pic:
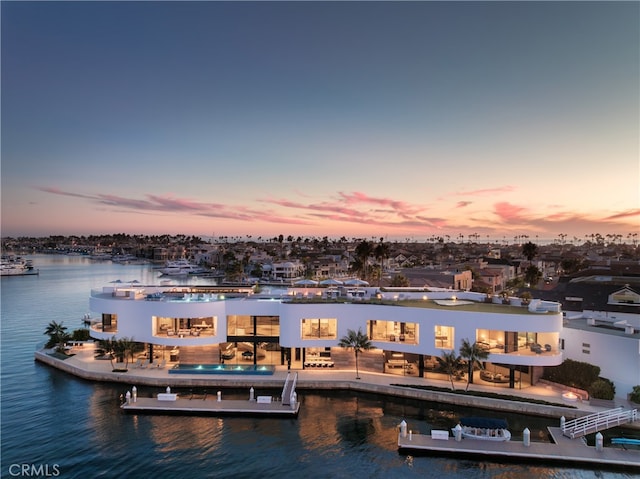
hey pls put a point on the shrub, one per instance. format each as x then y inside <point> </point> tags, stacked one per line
<point>635,395</point>
<point>602,388</point>
<point>573,373</point>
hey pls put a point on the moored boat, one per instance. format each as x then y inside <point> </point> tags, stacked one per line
<point>483,428</point>
<point>16,266</point>
<point>181,267</point>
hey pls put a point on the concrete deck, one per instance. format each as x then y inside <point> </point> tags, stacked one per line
<point>83,364</point>
<point>562,450</point>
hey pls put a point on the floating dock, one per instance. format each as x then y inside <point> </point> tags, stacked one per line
<point>563,450</point>
<point>172,403</point>
<point>213,407</point>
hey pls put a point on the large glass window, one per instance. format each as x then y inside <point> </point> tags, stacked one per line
<point>267,325</point>
<point>392,331</point>
<point>167,326</point>
<point>403,364</point>
<point>245,325</point>
<point>491,340</point>
<point>444,337</point>
<point>109,323</point>
<point>497,341</point>
<point>319,328</point>
<point>239,325</point>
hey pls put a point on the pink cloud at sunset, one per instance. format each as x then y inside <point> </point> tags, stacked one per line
<point>350,212</point>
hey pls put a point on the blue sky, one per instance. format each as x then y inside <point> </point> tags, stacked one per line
<point>402,119</point>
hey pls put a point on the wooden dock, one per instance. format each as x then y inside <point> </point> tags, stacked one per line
<point>212,407</point>
<point>562,450</point>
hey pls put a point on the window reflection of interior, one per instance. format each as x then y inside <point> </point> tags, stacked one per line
<point>110,322</point>
<point>444,337</point>
<point>167,326</point>
<point>490,339</point>
<point>239,325</point>
<point>319,328</point>
<point>243,325</point>
<point>497,341</point>
<point>392,331</point>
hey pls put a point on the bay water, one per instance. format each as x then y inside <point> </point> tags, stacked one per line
<point>57,425</point>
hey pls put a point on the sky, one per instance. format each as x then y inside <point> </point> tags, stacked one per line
<point>354,119</point>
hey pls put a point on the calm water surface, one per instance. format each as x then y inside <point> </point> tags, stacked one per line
<point>70,428</point>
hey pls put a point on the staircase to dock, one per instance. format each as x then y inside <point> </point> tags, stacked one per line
<point>598,422</point>
<point>289,389</point>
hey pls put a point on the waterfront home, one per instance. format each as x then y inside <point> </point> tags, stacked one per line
<point>301,327</point>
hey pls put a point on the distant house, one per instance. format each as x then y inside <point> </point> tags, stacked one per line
<point>450,279</point>
<point>288,270</point>
<point>493,277</point>
<point>330,266</point>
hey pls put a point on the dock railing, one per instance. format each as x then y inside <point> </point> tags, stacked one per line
<point>598,421</point>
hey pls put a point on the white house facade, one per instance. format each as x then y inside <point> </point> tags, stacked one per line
<point>301,327</point>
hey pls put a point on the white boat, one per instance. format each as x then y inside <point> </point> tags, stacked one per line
<point>16,266</point>
<point>483,428</point>
<point>181,267</point>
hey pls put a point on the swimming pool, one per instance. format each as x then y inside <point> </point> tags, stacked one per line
<point>222,369</point>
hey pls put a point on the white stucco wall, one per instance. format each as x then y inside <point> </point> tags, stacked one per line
<point>617,356</point>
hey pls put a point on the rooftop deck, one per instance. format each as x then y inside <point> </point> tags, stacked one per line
<point>460,301</point>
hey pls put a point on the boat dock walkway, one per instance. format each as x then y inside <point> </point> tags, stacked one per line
<point>562,449</point>
<point>598,421</point>
<point>261,406</point>
<point>171,403</point>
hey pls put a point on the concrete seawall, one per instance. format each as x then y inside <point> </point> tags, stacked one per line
<point>325,383</point>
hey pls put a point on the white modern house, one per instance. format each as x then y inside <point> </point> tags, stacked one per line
<point>301,328</point>
<point>602,327</point>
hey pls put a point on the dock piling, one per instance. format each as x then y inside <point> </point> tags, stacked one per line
<point>457,433</point>
<point>403,429</point>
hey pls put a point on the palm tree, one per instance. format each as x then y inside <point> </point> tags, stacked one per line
<point>529,250</point>
<point>109,348</point>
<point>532,275</point>
<point>381,251</point>
<point>120,349</point>
<point>57,335</point>
<point>358,342</point>
<point>474,355</point>
<point>363,251</point>
<point>127,347</point>
<point>450,364</point>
